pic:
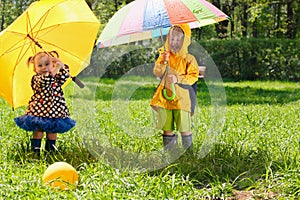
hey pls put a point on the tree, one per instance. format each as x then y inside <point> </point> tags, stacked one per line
<point>10,10</point>
<point>249,18</point>
<point>221,27</point>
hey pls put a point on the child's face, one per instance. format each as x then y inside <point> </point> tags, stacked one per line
<point>43,64</point>
<point>176,39</point>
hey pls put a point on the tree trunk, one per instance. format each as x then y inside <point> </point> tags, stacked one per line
<point>221,27</point>
<point>2,15</point>
<point>290,33</point>
<point>277,23</point>
<point>245,20</point>
<point>254,29</point>
<point>232,24</point>
<point>116,5</point>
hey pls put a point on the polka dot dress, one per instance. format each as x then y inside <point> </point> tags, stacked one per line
<point>48,98</point>
<point>47,109</point>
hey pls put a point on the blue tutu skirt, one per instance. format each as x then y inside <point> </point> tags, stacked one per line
<point>51,125</point>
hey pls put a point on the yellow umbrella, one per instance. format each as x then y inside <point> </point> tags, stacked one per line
<point>67,26</point>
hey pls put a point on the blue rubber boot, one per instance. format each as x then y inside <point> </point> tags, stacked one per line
<point>36,146</point>
<point>50,145</point>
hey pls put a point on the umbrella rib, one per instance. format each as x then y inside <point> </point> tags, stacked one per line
<point>41,21</point>
<point>64,50</point>
<point>39,40</point>
<point>13,45</point>
<point>50,28</point>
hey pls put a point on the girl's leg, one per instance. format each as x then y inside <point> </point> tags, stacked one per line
<point>50,141</point>
<point>36,141</point>
<point>38,135</point>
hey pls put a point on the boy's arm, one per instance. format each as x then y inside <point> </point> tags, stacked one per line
<point>159,68</point>
<point>192,72</point>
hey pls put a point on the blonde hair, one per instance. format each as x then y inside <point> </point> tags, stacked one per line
<point>176,29</point>
<point>50,54</point>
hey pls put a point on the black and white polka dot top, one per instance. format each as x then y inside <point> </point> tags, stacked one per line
<point>48,98</point>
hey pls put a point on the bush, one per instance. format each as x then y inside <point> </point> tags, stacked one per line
<point>245,59</point>
<point>251,59</point>
<point>113,62</point>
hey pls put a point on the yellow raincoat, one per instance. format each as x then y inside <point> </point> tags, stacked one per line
<point>185,67</point>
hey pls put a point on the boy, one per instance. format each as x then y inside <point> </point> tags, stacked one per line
<point>176,66</point>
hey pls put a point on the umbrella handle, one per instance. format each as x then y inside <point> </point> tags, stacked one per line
<point>172,97</point>
<point>75,79</point>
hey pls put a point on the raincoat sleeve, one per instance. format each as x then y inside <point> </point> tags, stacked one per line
<point>192,71</point>
<point>159,68</point>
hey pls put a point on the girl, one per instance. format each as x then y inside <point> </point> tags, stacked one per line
<point>47,110</point>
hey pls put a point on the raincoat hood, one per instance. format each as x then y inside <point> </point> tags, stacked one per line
<point>186,42</point>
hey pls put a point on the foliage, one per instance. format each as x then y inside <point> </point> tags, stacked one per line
<point>118,60</point>
<point>249,18</point>
<point>259,19</point>
<point>10,10</point>
<point>246,59</point>
<point>105,9</point>
<point>249,59</point>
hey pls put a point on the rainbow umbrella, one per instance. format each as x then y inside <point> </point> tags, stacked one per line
<point>145,19</point>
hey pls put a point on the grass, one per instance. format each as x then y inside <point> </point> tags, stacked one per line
<point>246,145</point>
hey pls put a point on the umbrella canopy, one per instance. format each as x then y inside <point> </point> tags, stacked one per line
<point>145,19</point>
<point>67,26</point>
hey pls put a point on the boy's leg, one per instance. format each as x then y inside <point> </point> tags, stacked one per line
<point>183,122</point>
<point>50,141</point>
<point>187,143</point>
<point>170,140</point>
<point>166,123</point>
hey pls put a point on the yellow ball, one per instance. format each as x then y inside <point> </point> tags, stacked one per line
<point>61,175</point>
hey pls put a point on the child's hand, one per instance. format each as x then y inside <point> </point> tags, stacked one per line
<point>172,78</point>
<point>57,65</point>
<point>165,57</point>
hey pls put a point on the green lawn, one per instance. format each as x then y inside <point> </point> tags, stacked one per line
<point>246,137</point>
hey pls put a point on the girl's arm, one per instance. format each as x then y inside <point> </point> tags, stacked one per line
<point>63,75</point>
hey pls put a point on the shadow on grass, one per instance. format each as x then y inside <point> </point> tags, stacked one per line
<point>72,153</point>
<point>248,95</point>
<point>225,168</point>
<point>234,94</point>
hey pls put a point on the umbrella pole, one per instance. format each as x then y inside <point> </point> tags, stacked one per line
<point>162,40</point>
<point>74,78</point>
<point>172,97</point>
